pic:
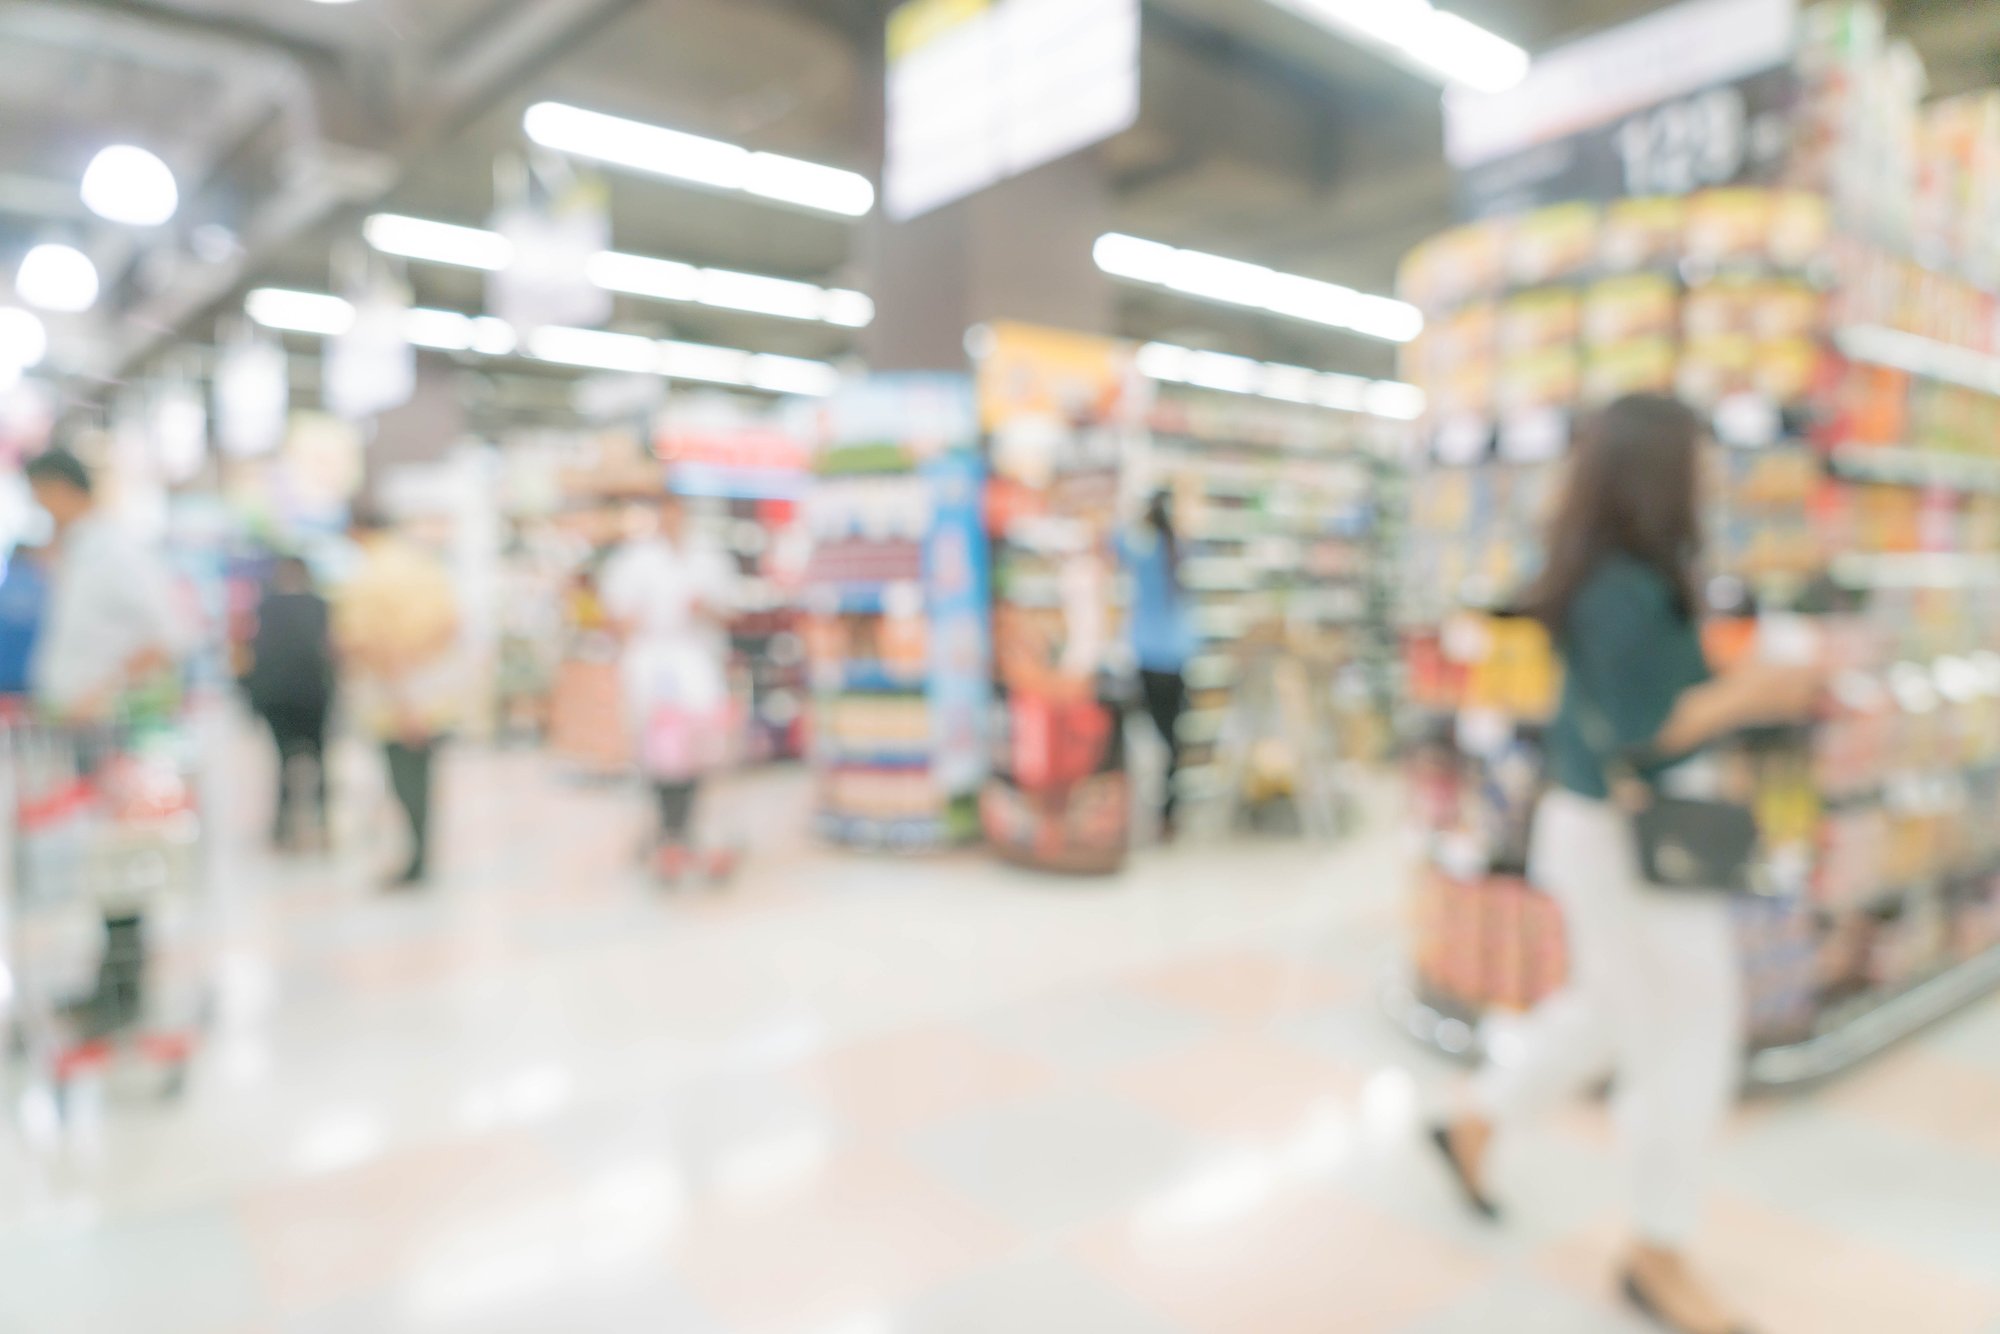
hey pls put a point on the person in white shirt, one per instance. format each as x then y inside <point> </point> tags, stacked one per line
<point>668,596</point>
<point>114,623</point>
<point>113,631</point>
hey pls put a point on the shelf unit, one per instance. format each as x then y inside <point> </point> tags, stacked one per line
<point>897,604</point>
<point>1282,519</point>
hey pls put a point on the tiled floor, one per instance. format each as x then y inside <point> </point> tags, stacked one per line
<point>857,1096</point>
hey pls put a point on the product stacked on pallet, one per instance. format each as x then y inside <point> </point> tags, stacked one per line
<point>1845,346</point>
<point>1281,517</point>
<point>896,631</point>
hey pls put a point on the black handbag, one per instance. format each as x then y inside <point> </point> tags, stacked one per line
<point>1684,843</point>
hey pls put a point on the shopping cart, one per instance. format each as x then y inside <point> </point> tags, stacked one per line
<point>106,970</point>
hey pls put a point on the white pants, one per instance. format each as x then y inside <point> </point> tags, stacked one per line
<point>1654,1001</point>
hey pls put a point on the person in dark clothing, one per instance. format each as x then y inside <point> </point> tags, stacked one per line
<point>291,688</point>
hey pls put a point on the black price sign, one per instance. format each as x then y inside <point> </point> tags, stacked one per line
<point>1737,133</point>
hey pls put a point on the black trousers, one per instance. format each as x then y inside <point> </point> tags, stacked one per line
<point>300,733</point>
<point>676,802</point>
<point>410,776</point>
<point>1166,699</point>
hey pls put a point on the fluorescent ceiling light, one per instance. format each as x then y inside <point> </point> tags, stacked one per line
<point>438,242</point>
<point>765,296</point>
<point>636,275</point>
<point>300,312</point>
<point>449,331</point>
<point>1291,384</point>
<point>690,157</point>
<point>590,349</point>
<point>632,275</point>
<point>850,310</point>
<point>793,375</point>
<point>129,185</point>
<point>1437,43</point>
<point>24,341</point>
<point>1234,282</point>
<point>595,349</point>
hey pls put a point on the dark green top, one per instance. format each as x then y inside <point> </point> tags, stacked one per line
<point>1627,649</point>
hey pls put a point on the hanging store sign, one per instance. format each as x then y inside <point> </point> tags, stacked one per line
<point>1696,96</point>
<point>983,90</point>
<point>555,222</point>
<point>371,368</point>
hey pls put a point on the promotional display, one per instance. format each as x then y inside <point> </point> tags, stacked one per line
<point>1854,390</point>
<point>1061,411</point>
<point>897,614</point>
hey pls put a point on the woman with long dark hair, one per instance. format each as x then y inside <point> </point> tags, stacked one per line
<point>1162,634</point>
<point>1654,999</point>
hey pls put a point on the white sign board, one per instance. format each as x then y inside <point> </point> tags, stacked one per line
<point>1693,45</point>
<point>982,90</point>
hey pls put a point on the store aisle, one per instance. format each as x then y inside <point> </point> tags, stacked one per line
<point>857,1096</point>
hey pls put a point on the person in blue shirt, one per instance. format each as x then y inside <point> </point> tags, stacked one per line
<point>1162,633</point>
<point>23,595</point>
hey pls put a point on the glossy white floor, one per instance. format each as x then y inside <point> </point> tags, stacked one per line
<point>862,1096</point>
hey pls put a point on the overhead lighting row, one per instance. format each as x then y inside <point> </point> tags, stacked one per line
<point>1390,399</point>
<point>633,275</point>
<point>658,151</point>
<point>1234,282</point>
<point>1436,42</point>
<point>330,316</point>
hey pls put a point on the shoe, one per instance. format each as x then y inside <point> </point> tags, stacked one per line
<point>410,879</point>
<point>722,865</point>
<point>1642,1302</point>
<point>1475,1199</point>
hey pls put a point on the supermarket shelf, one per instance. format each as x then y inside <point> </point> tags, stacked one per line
<point>1902,466</point>
<point>927,834</point>
<point>1878,1027</point>
<point>1916,570</point>
<point>1448,1028</point>
<point>849,598</point>
<point>1920,356</point>
<point>868,677</point>
<point>879,757</point>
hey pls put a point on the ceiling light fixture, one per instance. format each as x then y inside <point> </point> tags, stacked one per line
<point>56,277</point>
<point>23,341</point>
<point>300,312</point>
<point>631,275</point>
<point>130,185</point>
<point>589,349</point>
<point>1435,42</point>
<point>658,151</point>
<point>438,242</point>
<point>1390,399</point>
<point>1237,283</point>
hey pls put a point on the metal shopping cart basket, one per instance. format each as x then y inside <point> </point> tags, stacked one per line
<point>106,961</point>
